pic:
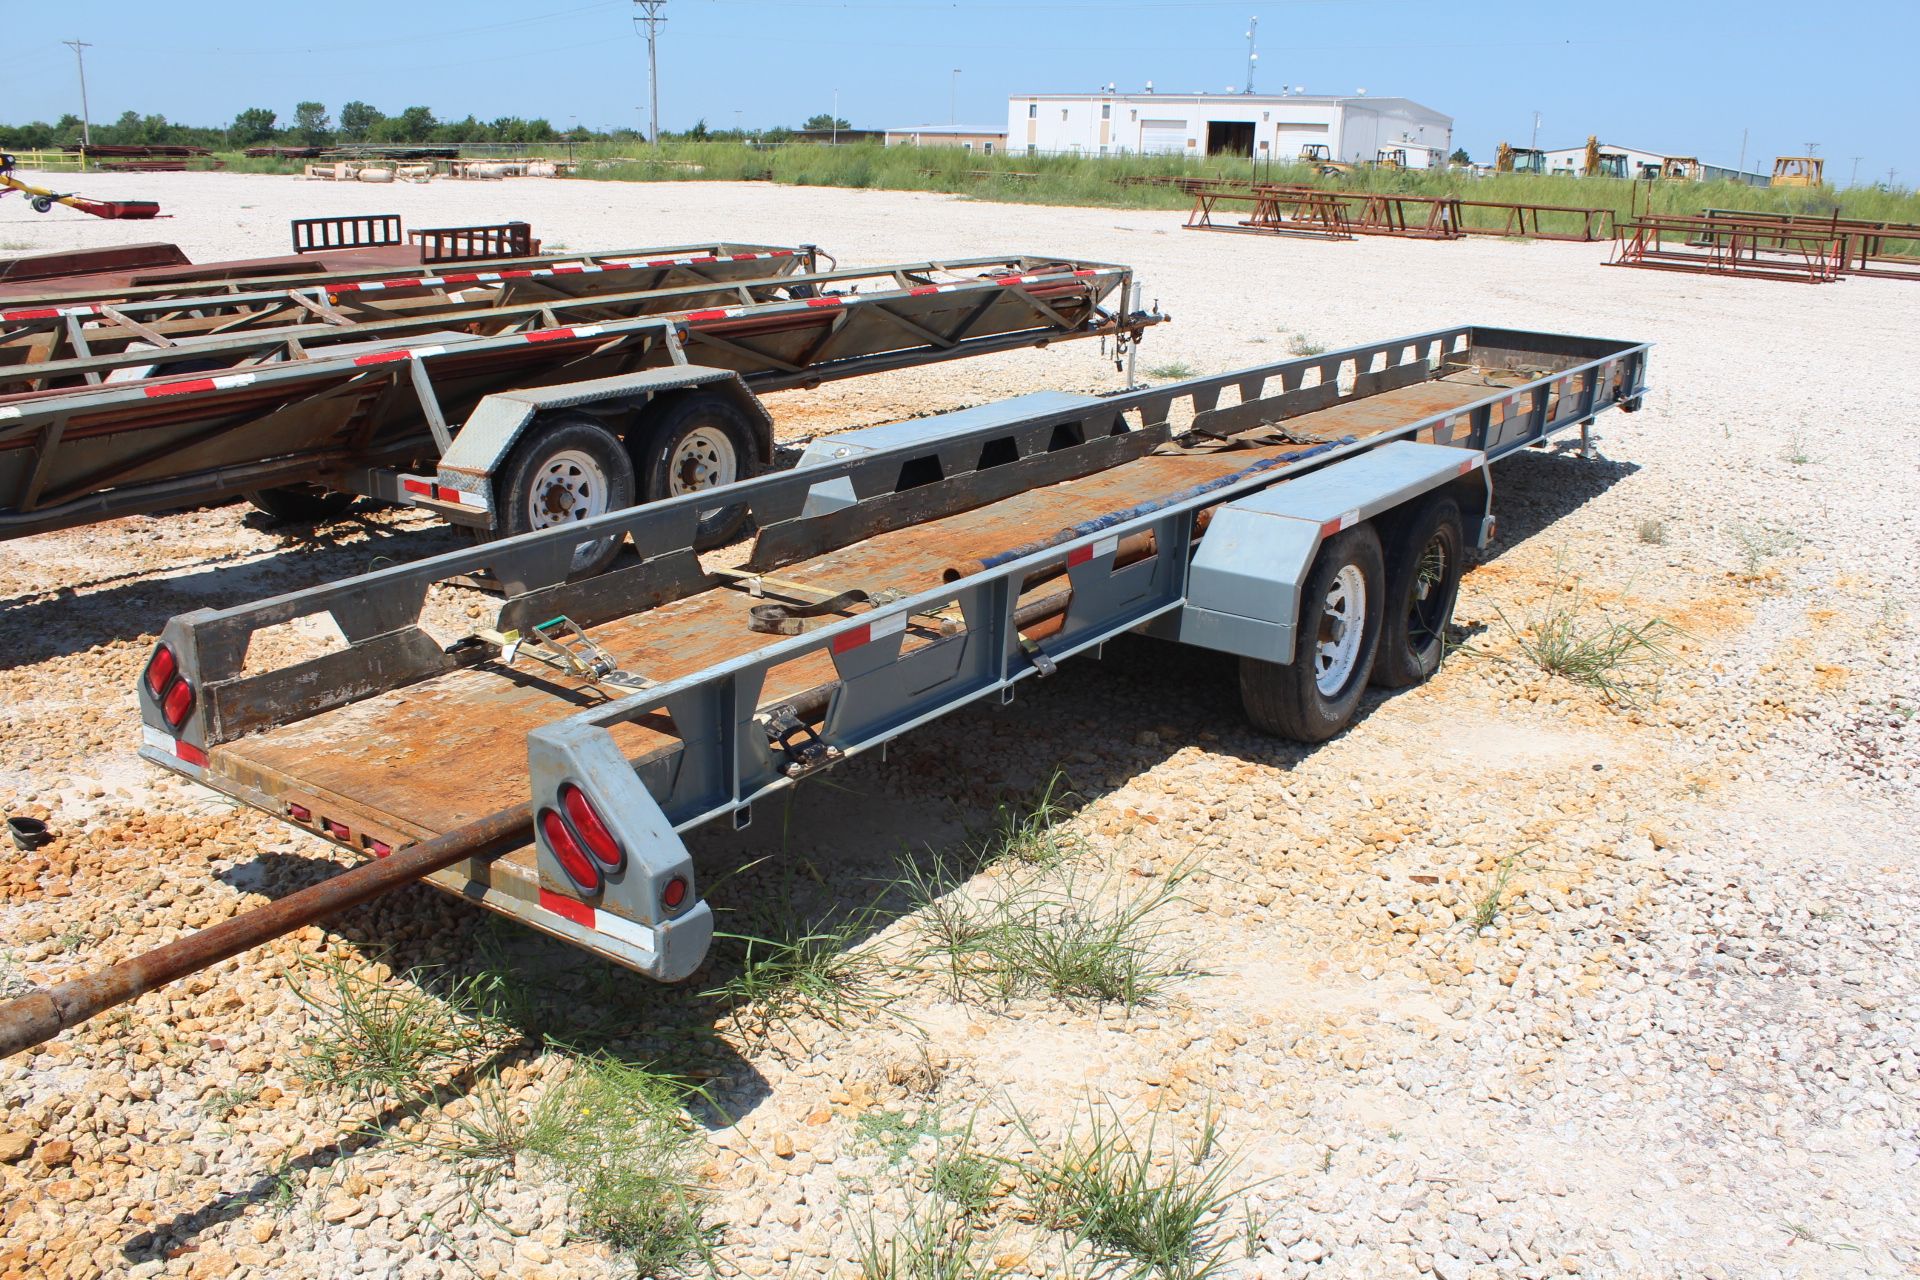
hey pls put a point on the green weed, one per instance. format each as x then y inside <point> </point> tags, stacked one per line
<point>1621,659</point>
<point>1759,543</point>
<point>1301,345</point>
<point>1653,532</point>
<point>1156,1204</point>
<point>379,1036</point>
<point>1171,371</point>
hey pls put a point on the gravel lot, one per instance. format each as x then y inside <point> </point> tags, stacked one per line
<point>1684,1046</point>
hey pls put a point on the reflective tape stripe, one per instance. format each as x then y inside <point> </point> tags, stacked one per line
<point>422,487</point>
<point>1098,547</point>
<point>1346,520</point>
<point>878,628</point>
<point>185,752</point>
<point>618,927</point>
<point>9,412</point>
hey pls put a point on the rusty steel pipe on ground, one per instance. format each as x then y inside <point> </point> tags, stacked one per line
<point>39,1016</point>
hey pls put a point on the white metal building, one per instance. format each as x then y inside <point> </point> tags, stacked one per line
<point>1258,126</point>
<point>1618,161</point>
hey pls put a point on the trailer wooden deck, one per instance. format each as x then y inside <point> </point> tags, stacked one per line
<point>424,760</point>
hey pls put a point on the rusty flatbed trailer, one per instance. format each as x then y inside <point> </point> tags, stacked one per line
<point>1312,521</point>
<point>39,331</point>
<point>529,411</point>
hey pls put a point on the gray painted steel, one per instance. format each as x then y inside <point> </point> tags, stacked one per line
<point>726,762</point>
<point>1243,595</point>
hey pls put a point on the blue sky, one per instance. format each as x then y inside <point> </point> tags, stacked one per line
<point>1670,75</point>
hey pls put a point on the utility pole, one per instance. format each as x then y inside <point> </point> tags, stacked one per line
<point>1741,167</point>
<point>953,97</point>
<point>651,15</point>
<point>1853,179</point>
<point>1253,56</point>
<point>835,121</point>
<point>1535,144</point>
<point>86,128</point>
<point>1813,148</point>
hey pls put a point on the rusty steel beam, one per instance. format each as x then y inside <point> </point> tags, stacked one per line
<point>1728,247</point>
<point>40,1015</point>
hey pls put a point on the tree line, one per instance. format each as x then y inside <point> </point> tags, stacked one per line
<point>313,126</point>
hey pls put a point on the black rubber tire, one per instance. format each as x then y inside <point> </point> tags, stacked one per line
<point>1420,594</point>
<point>1285,698</point>
<point>300,503</point>
<point>554,434</point>
<point>659,438</point>
<point>42,204</point>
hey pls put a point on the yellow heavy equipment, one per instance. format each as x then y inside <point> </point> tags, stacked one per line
<point>1320,157</point>
<point>1799,171</point>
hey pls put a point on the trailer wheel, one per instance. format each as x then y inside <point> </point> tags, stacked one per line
<point>299,503</point>
<point>41,204</point>
<point>570,468</point>
<point>1423,581</point>
<point>1314,696</point>
<point>700,441</point>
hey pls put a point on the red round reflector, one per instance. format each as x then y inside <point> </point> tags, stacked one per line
<point>573,860</point>
<point>160,670</point>
<point>178,704</point>
<point>674,894</point>
<point>593,832</point>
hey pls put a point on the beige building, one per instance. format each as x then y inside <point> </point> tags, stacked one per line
<point>982,139</point>
<point>1353,128</point>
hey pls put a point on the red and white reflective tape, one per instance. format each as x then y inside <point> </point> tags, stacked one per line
<point>419,486</point>
<point>1345,520</point>
<point>184,752</point>
<point>1472,463</point>
<point>879,628</point>
<point>525,273</point>
<point>225,382</point>
<point>618,927</point>
<point>49,313</point>
<point>565,334</point>
<point>399,353</point>
<point>1098,547</point>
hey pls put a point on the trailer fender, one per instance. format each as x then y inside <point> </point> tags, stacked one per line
<point>641,909</point>
<point>1243,592</point>
<point>463,487</point>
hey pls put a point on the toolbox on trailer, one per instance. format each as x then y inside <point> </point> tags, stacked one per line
<point>1308,516</point>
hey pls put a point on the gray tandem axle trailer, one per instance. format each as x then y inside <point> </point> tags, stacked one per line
<point>1312,519</point>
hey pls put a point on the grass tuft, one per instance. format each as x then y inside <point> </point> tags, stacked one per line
<point>376,1036</point>
<point>617,1134</point>
<point>1302,345</point>
<point>1622,660</point>
<point>1155,1205</point>
<point>1487,909</point>
<point>1172,371</point>
<point>1759,543</point>
<point>1653,532</point>
<point>818,973</point>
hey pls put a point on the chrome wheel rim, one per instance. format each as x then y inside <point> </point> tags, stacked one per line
<point>570,487</point>
<point>705,458</point>
<point>1343,619</point>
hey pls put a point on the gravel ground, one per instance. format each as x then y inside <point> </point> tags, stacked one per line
<point>1684,1044</point>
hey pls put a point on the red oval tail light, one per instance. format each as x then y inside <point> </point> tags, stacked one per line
<point>178,704</point>
<point>593,831</point>
<point>572,858</point>
<point>160,669</point>
<point>674,894</point>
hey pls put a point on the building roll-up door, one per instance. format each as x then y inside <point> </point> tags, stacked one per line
<point>1163,137</point>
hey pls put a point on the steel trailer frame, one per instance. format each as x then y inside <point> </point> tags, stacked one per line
<point>272,413</point>
<point>738,726</point>
<point>36,333</point>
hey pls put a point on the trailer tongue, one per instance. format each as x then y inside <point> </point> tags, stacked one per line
<point>1312,521</point>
